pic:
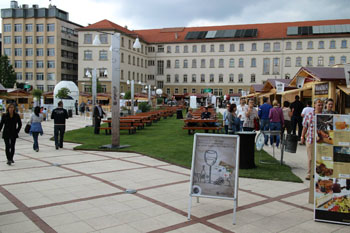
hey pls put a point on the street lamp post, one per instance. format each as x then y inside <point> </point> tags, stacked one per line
<point>93,89</point>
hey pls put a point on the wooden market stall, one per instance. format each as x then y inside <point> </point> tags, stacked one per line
<point>271,91</point>
<point>23,99</point>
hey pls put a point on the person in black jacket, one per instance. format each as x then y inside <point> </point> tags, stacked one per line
<point>297,120</point>
<point>12,124</point>
<point>98,115</point>
<point>59,115</point>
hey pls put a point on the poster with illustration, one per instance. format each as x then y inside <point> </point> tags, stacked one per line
<point>215,165</point>
<point>332,168</point>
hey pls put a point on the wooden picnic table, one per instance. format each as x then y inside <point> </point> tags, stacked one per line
<point>129,124</point>
<point>201,125</point>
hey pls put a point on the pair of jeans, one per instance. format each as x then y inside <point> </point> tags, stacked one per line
<point>97,125</point>
<point>35,138</point>
<point>59,131</point>
<point>297,121</point>
<point>275,126</point>
<point>265,125</point>
<point>10,148</point>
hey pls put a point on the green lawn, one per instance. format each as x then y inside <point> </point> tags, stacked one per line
<point>167,141</point>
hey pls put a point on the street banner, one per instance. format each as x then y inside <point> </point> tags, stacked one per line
<point>332,169</point>
<point>347,74</point>
<point>300,82</point>
<point>214,172</point>
<point>279,86</point>
<point>193,102</point>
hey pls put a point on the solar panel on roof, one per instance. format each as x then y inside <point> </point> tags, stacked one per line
<point>210,34</point>
<point>344,28</point>
<point>239,33</point>
<point>338,29</point>
<point>220,34</point>
<point>255,32</point>
<point>189,35</point>
<point>229,33</point>
<point>202,35</point>
<point>327,29</point>
<point>292,31</point>
<point>315,29</point>
<point>348,28</point>
<point>248,33</point>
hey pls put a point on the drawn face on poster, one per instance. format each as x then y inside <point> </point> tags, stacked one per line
<point>215,166</point>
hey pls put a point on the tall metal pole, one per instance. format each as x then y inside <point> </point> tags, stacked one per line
<point>132,97</point>
<point>94,92</point>
<point>149,95</point>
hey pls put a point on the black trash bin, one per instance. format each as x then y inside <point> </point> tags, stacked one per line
<point>179,114</point>
<point>291,143</point>
<point>246,149</point>
<point>70,113</point>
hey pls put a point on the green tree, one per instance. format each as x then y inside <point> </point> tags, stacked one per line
<point>7,74</point>
<point>144,107</point>
<point>37,93</point>
<point>127,95</point>
<point>63,93</point>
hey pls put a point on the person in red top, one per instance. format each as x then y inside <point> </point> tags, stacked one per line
<point>308,133</point>
<point>276,121</point>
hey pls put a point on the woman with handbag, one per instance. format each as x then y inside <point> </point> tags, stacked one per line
<point>36,128</point>
<point>251,115</point>
<point>276,121</point>
<point>12,124</point>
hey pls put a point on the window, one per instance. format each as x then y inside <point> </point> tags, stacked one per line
<point>332,44</point>
<point>133,60</point>
<point>309,61</point>
<point>176,90</point>
<point>298,61</point>
<point>194,48</point>
<point>186,49</point>
<point>232,47</point>
<point>50,76</point>
<point>168,78</point>
<point>221,78</point>
<point>18,64</point>
<point>321,44</point>
<point>240,78</point>
<point>168,91</point>
<point>51,27</point>
<point>18,40</point>
<point>50,39</point>
<point>194,63</point>
<point>185,63</point>
<point>103,38</point>
<point>7,39</point>
<point>103,55</point>
<point>176,78</point>
<point>29,64</point>
<point>177,64</point>
<point>7,51</point>
<point>29,40</point>
<point>320,61</point>
<point>276,65</point>
<point>39,64</point>
<point>253,62</point>
<point>168,64</point>
<point>160,49</point>
<point>40,27</point>
<point>287,76</point>
<point>288,45</point>
<point>51,52</point>
<point>18,52</point>
<point>29,27</point>
<point>194,77</point>
<point>230,91</point>
<point>40,76</point>
<point>253,46</point>
<point>7,27</point>
<point>202,78</point>
<point>202,63</point>
<point>138,61</point>
<point>276,46</point>
<point>40,40</point>
<point>18,27</point>
<point>39,52</point>
<point>87,38</point>
<point>185,78</point>
<point>168,49</point>
<point>203,48</point>
<point>267,47</point>
<point>177,49</point>
<point>288,62</point>
<point>185,91</point>
<point>212,63</point>
<point>331,60</point>
<point>241,47</point>
<point>50,64</point>
<point>18,76</point>
<point>343,59</point>
<point>232,63</point>
<point>231,78</point>
<point>299,45</point>
<point>88,55</point>
<point>221,63</point>
<point>122,57</point>
<point>160,67</point>
<point>212,48</point>
<point>252,78</point>
<point>344,44</point>
<point>29,76</point>
<point>151,49</point>
<point>193,90</point>
<point>211,78</point>
<point>102,72</point>
<point>241,62</point>
<point>266,68</point>
<point>222,48</point>
<point>310,44</point>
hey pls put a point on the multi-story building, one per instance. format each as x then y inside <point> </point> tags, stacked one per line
<point>41,43</point>
<point>227,59</point>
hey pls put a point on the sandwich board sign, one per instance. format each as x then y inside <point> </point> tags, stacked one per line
<point>215,165</point>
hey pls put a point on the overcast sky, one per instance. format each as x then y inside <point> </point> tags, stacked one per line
<point>147,14</point>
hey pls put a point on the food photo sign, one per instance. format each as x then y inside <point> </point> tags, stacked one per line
<point>332,169</point>
<point>214,172</point>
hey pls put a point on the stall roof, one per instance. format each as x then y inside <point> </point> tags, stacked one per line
<point>321,74</point>
<point>256,87</point>
<point>2,88</point>
<point>345,89</point>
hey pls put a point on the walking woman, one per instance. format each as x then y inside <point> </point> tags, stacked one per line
<point>276,121</point>
<point>35,127</point>
<point>12,125</point>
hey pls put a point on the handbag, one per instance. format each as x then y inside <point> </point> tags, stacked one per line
<point>256,124</point>
<point>27,128</point>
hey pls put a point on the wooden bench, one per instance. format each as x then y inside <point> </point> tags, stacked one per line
<point>108,130</point>
<point>214,128</point>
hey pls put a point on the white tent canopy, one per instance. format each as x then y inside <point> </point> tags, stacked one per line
<point>73,95</point>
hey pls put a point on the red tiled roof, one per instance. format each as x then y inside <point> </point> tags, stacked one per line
<point>107,25</point>
<point>326,73</point>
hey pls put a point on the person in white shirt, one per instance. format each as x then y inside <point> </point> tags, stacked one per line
<point>305,112</point>
<point>241,112</point>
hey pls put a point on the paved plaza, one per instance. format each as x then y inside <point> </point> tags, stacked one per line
<point>84,191</point>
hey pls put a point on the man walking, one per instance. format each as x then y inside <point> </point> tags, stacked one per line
<point>59,115</point>
<point>297,108</point>
<point>263,113</point>
<point>98,115</point>
<point>76,107</point>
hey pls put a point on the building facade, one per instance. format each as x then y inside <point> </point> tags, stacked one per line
<point>41,43</point>
<point>227,59</point>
